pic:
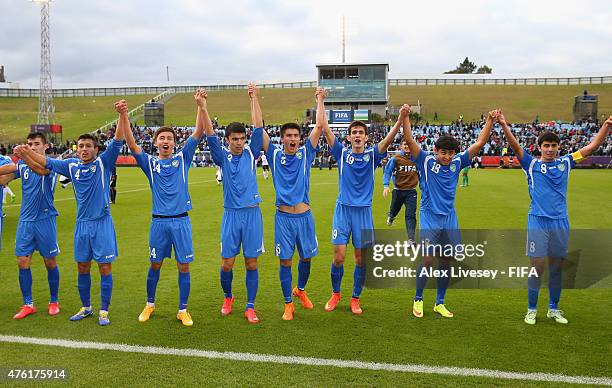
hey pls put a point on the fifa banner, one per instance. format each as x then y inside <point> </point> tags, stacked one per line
<point>43,128</point>
<point>345,116</point>
<point>488,258</point>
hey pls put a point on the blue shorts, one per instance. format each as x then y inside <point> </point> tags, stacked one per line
<point>547,237</point>
<point>242,226</point>
<point>166,233</point>
<point>95,240</point>
<point>38,236</point>
<point>438,231</point>
<point>295,229</point>
<point>355,221</point>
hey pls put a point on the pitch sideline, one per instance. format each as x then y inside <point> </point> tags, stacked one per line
<point>310,361</point>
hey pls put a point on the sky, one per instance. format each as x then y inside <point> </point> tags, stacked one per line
<point>208,42</point>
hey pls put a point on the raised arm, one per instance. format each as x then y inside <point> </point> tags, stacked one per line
<point>415,149</point>
<point>120,133</point>
<point>599,139</point>
<point>514,144</point>
<point>386,142</point>
<point>484,134</point>
<point>35,161</point>
<point>123,126</point>
<point>321,118</point>
<point>203,122</point>
<point>256,115</point>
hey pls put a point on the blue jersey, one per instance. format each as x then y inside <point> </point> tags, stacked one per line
<point>438,183</point>
<point>547,183</point>
<point>239,171</point>
<point>356,174</point>
<point>3,160</point>
<point>37,192</point>
<point>90,181</point>
<point>168,179</point>
<point>291,173</point>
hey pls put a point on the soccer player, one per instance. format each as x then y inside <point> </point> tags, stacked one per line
<point>353,213</point>
<point>265,166</point>
<point>219,176</point>
<point>113,184</point>
<point>94,232</point>
<point>36,229</point>
<point>405,179</point>
<point>438,178</point>
<point>465,179</point>
<point>293,221</point>
<point>170,226</point>
<point>547,221</point>
<point>242,223</point>
<point>7,192</point>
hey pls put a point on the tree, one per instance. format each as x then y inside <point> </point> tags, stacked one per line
<point>465,67</point>
<point>484,69</point>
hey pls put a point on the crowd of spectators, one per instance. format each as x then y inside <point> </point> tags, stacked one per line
<point>573,136</point>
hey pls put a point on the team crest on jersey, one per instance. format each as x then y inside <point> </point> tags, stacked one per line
<point>366,158</point>
<point>93,168</point>
<point>299,155</point>
<point>561,167</point>
<point>453,168</point>
<point>175,163</point>
<point>229,156</point>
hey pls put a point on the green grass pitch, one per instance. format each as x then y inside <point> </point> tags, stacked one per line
<point>487,331</point>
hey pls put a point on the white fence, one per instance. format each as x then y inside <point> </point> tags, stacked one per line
<point>476,80</point>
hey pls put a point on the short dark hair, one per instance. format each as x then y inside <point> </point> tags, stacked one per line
<point>89,136</point>
<point>234,127</point>
<point>357,123</point>
<point>287,126</point>
<point>549,137</point>
<point>35,135</point>
<point>162,130</point>
<point>448,143</point>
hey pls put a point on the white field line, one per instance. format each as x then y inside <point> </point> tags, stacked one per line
<point>310,361</point>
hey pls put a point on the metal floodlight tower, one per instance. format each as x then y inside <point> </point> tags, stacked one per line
<point>46,110</point>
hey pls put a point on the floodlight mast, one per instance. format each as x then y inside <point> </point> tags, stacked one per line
<point>46,110</point>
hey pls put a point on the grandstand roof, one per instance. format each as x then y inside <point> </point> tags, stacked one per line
<point>353,64</point>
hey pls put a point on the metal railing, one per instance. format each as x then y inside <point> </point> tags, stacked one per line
<point>502,81</point>
<point>139,110</point>
<point>477,80</point>
<point>127,91</point>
